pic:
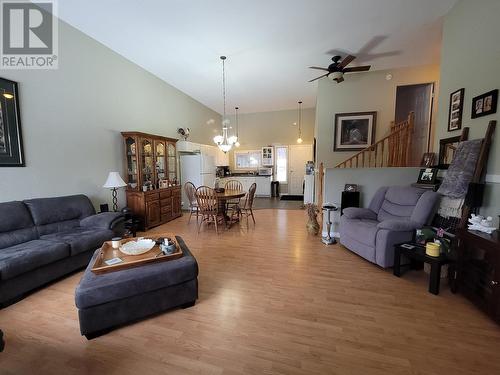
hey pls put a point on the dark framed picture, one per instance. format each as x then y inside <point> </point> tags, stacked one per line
<point>11,141</point>
<point>484,105</point>
<point>354,131</point>
<point>427,176</point>
<point>350,187</point>
<point>456,109</point>
<point>428,159</point>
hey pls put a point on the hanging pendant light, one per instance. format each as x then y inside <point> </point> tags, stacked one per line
<point>299,140</point>
<point>224,141</point>
<point>237,143</point>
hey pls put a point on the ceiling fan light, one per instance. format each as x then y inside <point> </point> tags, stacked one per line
<point>335,75</point>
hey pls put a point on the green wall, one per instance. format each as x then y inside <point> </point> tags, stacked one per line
<point>470,59</point>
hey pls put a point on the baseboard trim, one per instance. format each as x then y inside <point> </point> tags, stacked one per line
<point>493,178</point>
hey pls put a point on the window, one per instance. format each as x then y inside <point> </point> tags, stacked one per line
<point>247,159</point>
<point>281,163</point>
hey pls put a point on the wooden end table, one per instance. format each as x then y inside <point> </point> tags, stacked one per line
<point>417,257</point>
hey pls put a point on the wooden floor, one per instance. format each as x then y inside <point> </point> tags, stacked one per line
<point>272,301</point>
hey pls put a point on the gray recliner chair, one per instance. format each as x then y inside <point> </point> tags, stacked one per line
<point>392,217</point>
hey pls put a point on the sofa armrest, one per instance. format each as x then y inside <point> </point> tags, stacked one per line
<point>104,220</point>
<point>398,225</point>
<point>359,213</point>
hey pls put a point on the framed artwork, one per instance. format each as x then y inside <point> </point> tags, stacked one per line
<point>11,142</point>
<point>427,176</point>
<point>354,131</point>
<point>350,187</point>
<point>428,159</point>
<point>456,109</point>
<point>447,148</point>
<point>485,104</point>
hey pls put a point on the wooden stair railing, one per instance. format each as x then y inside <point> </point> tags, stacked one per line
<point>391,151</point>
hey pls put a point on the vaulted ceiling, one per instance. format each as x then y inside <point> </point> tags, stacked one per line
<point>269,43</point>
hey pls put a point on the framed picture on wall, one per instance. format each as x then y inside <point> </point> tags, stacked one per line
<point>354,131</point>
<point>11,142</point>
<point>485,104</point>
<point>456,109</point>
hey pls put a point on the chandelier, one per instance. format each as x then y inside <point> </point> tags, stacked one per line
<point>224,141</point>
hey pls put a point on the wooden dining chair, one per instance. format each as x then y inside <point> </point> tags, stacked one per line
<point>208,206</point>
<point>245,208</point>
<point>233,185</point>
<point>190,191</point>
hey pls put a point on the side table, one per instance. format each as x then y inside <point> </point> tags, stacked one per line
<point>418,256</point>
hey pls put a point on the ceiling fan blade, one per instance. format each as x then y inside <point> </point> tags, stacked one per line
<point>357,69</point>
<point>347,60</point>
<point>319,68</point>
<point>341,79</point>
<point>324,75</point>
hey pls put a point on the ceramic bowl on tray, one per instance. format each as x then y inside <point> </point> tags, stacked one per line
<point>137,247</point>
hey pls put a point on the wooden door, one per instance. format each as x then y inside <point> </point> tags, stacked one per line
<point>416,98</point>
<point>153,213</point>
<point>298,156</point>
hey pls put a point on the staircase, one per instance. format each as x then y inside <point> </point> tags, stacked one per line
<point>391,151</point>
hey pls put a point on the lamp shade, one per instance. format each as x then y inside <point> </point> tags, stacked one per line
<point>114,181</point>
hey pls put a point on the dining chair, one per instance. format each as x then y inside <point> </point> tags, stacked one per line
<point>208,206</point>
<point>233,185</point>
<point>245,209</point>
<point>190,191</point>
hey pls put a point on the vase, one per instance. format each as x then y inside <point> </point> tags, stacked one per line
<point>312,227</point>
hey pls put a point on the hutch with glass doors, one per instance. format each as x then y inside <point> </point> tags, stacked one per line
<point>153,191</point>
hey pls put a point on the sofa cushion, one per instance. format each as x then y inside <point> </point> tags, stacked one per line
<point>399,202</point>
<point>16,225</point>
<point>364,231</point>
<point>27,256</point>
<point>98,289</point>
<point>81,239</point>
<point>52,215</point>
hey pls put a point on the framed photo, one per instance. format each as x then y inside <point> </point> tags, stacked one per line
<point>354,131</point>
<point>427,176</point>
<point>484,105</point>
<point>428,159</point>
<point>350,187</point>
<point>456,109</point>
<point>11,141</point>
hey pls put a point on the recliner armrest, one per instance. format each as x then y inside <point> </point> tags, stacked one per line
<point>359,213</point>
<point>103,220</point>
<point>398,225</point>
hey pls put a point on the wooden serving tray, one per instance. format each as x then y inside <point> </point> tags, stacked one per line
<point>129,261</point>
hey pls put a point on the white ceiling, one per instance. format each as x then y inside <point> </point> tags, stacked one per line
<point>269,43</point>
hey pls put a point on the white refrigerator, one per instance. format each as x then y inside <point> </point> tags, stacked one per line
<point>198,169</point>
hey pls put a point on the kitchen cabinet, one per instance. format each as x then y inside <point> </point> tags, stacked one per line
<point>263,184</point>
<point>222,158</point>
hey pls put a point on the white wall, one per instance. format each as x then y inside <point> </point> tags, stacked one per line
<point>363,92</point>
<point>72,118</point>
<point>470,59</point>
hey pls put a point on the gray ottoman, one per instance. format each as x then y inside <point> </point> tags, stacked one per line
<point>111,300</point>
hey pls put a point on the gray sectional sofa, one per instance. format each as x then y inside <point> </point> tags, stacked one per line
<point>44,239</point>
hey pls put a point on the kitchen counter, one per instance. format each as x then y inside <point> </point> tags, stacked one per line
<point>247,179</point>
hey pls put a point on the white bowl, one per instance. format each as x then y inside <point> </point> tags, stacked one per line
<point>137,247</point>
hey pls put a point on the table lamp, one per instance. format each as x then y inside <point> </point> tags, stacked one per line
<point>114,182</point>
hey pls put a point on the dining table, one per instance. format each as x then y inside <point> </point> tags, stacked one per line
<point>222,198</point>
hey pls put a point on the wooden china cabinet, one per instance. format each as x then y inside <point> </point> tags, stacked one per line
<point>153,191</point>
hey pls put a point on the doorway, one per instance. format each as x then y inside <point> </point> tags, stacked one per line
<point>299,155</point>
<point>419,99</point>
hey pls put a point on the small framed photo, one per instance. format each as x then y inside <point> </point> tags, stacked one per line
<point>485,104</point>
<point>456,110</point>
<point>354,131</point>
<point>428,159</point>
<point>350,187</point>
<point>427,176</point>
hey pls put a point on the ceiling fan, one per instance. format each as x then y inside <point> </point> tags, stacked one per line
<point>337,69</point>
